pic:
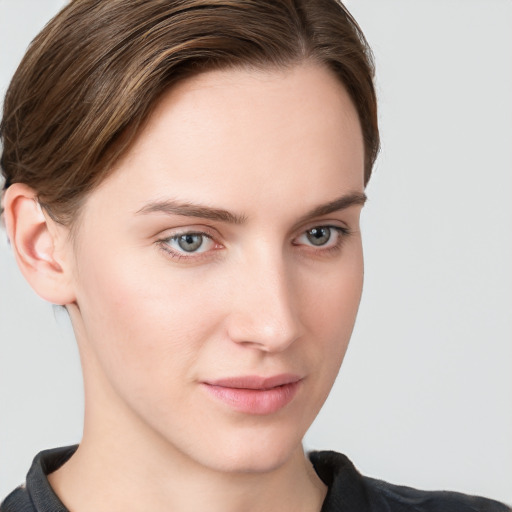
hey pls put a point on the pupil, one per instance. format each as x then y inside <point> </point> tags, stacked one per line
<point>190,242</point>
<point>319,236</point>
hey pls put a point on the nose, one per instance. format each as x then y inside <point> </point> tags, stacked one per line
<point>265,312</point>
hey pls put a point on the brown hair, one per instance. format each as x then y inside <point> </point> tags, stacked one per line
<point>90,79</point>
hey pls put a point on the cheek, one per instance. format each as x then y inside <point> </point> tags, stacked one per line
<point>145,320</point>
<point>331,300</point>
<point>126,317</point>
<point>330,310</point>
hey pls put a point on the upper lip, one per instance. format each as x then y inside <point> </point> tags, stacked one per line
<point>255,381</point>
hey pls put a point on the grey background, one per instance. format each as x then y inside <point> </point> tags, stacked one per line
<point>424,397</point>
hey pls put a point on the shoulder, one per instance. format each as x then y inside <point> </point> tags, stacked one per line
<point>18,501</point>
<point>349,490</point>
<point>37,495</point>
<point>404,498</point>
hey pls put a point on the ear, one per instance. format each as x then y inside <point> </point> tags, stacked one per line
<point>41,246</point>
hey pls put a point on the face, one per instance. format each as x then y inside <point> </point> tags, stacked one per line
<point>218,270</point>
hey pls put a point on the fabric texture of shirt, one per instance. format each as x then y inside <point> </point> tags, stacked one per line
<point>348,490</point>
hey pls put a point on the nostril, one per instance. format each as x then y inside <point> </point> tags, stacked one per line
<point>265,312</point>
<point>264,331</point>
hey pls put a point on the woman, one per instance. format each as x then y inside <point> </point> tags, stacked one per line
<point>186,178</point>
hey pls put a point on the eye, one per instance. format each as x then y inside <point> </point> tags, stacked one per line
<point>190,242</point>
<point>319,236</point>
<point>323,237</point>
<point>183,244</point>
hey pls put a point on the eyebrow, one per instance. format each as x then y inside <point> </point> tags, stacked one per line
<point>172,207</point>
<point>341,203</point>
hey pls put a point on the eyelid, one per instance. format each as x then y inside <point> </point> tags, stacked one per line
<point>183,229</point>
<point>323,223</point>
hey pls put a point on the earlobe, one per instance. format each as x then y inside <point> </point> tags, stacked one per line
<point>38,244</point>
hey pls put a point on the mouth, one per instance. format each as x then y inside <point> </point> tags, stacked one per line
<point>254,394</point>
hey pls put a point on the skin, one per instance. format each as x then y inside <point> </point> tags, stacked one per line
<point>153,322</point>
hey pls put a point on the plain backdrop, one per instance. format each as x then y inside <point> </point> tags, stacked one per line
<point>424,397</point>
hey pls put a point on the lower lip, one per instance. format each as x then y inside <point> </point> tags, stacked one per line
<point>255,401</point>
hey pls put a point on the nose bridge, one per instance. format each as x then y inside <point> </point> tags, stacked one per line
<point>265,312</point>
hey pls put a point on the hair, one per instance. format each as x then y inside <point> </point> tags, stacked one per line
<point>92,76</point>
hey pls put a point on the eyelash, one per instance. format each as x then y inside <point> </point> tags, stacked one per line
<point>196,256</point>
<point>342,234</point>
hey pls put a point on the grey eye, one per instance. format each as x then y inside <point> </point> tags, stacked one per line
<point>319,236</point>
<point>190,242</point>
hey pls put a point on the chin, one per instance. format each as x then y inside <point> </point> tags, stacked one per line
<point>251,452</point>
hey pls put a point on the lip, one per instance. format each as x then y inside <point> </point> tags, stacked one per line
<point>254,394</point>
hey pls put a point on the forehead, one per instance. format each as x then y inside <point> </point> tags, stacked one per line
<point>223,136</point>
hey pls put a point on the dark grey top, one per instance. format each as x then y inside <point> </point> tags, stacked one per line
<point>349,491</point>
